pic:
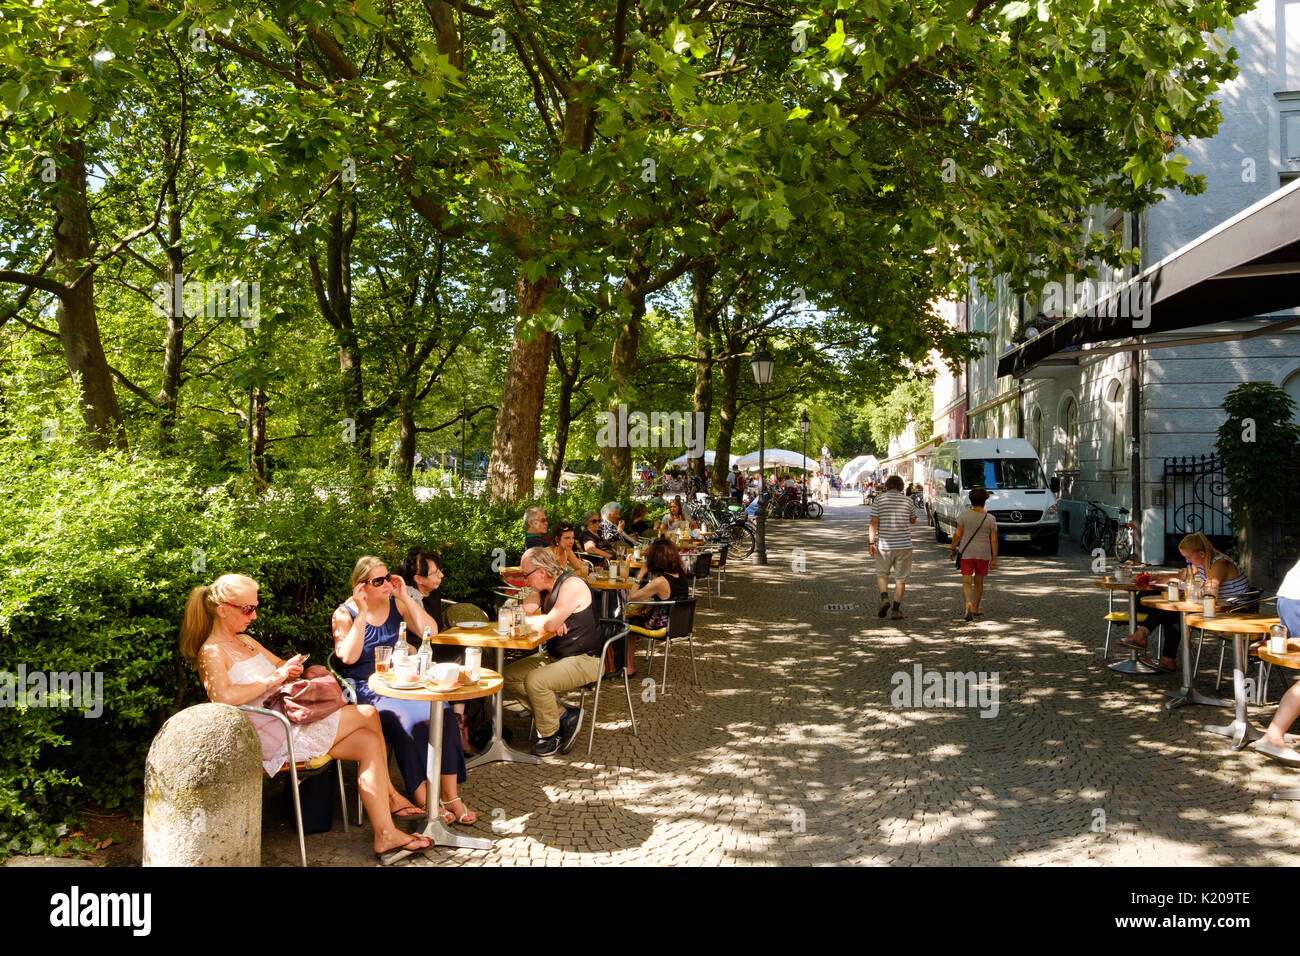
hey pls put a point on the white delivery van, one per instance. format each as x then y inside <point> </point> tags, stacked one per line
<point>1020,497</point>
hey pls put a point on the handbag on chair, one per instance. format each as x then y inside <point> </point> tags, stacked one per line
<point>314,695</point>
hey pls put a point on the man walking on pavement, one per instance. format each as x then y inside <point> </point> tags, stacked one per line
<point>890,536</point>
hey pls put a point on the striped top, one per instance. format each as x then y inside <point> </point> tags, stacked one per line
<point>893,513</point>
<point>1231,590</point>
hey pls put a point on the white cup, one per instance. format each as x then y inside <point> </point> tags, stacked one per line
<point>444,675</point>
<point>1277,635</point>
<point>473,661</point>
<point>404,668</point>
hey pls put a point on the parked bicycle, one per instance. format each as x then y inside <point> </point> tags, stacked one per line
<point>1100,530</point>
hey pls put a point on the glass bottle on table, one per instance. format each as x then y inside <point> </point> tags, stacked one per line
<point>425,655</point>
<point>401,648</point>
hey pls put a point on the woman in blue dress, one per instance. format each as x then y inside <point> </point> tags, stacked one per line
<point>370,618</point>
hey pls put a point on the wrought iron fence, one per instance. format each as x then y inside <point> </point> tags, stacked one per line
<point>1195,495</point>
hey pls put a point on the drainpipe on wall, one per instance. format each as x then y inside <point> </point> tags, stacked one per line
<point>1135,393</point>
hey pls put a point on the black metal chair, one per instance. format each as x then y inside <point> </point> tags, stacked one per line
<point>681,623</point>
<point>720,569</point>
<point>702,570</point>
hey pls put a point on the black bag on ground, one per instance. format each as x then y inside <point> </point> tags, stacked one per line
<point>317,795</point>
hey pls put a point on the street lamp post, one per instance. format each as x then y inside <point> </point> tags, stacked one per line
<point>762,364</point>
<point>803,428</point>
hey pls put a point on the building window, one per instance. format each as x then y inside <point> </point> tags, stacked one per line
<point>1036,432</point>
<point>1292,387</point>
<point>1115,411</point>
<point>1070,418</point>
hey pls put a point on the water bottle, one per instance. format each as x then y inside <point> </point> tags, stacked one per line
<point>426,652</point>
<point>401,648</point>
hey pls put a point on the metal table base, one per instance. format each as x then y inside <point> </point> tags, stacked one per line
<point>498,749</point>
<point>437,831</point>
<point>1241,730</point>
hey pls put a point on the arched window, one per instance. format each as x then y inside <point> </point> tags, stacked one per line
<point>1070,419</point>
<point>1292,387</point>
<point>1036,432</point>
<point>1115,416</point>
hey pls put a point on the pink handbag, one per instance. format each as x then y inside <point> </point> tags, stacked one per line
<point>314,695</point>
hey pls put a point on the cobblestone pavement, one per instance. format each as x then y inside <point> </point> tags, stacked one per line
<point>791,752</point>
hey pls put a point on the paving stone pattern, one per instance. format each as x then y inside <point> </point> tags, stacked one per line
<point>790,751</point>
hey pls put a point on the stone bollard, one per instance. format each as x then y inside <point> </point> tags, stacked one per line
<point>203,790</point>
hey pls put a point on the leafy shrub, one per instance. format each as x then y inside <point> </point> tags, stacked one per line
<point>1260,448</point>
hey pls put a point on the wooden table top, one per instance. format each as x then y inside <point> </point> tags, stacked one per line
<point>1182,607</point>
<point>1128,585</point>
<point>1233,623</point>
<point>605,584</point>
<point>488,637</point>
<point>1290,659</point>
<point>489,683</point>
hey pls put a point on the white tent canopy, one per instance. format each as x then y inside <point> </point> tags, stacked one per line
<point>778,458</point>
<point>863,463</point>
<point>709,458</point>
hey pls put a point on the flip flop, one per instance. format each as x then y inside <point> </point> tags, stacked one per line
<point>1284,754</point>
<point>1149,662</point>
<point>1127,643</point>
<point>399,853</point>
<point>409,813</point>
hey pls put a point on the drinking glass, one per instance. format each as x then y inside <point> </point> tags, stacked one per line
<point>383,658</point>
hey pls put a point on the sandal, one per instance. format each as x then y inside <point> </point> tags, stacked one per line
<point>409,812</point>
<point>399,853</point>
<point>1127,643</point>
<point>1151,662</point>
<point>449,816</point>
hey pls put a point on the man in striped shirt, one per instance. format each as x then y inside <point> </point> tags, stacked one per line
<point>892,517</point>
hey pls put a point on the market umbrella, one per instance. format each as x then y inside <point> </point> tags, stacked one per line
<point>709,458</point>
<point>778,458</point>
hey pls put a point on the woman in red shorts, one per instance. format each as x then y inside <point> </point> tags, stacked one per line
<point>979,555</point>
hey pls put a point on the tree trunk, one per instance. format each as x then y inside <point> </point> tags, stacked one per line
<point>617,456</point>
<point>78,325</point>
<point>727,406</point>
<point>702,403</point>
<point>257,436</point>
<point>515,437</point>
<point>563,410</point>
<point>406,440</point>
<point>174,338</point>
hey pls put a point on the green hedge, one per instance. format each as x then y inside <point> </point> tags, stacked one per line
<point>97,557</point>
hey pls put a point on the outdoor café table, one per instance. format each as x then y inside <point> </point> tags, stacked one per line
<point>1132,665</point>
<point>1291,660</point>
<point>609,593</point>
<point>1187,694</point>
<point>488,637</point>
<point>489,682</point>
<point>1239,626</point>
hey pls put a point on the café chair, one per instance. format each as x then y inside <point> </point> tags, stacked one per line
<point>614,630</point>
<point>703,569</point>
<point>681,623</point>
<point>1114,617</point>
<point>303,770</point>
<point>458,613</point>
<point>720,568</point>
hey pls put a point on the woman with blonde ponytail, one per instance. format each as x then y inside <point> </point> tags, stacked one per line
<point>236,669</point>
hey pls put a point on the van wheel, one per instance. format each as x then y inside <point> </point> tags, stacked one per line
<point>939,536</point>
<point>1052,545</point>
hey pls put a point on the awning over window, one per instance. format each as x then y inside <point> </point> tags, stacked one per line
<point>1246,266</point>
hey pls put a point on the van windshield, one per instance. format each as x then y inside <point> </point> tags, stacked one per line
<point>1008,473</point>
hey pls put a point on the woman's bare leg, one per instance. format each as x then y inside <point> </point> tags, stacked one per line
<point>978,588</point>
<point>966,592</point>
<point>356,741</point>
<point>1287,711</point>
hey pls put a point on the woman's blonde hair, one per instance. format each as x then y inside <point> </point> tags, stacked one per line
<point>365,564</point>
<point>201,608</point>
<point>1198,543</point>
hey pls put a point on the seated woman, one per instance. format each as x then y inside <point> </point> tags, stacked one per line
<point>1276,743</point>
<point>593,545</point>
<point>611,525</point>
<point>662,579</point>
<point>1217,574</point>
<point>640,524</point>
<point>675,522</point>
<point>370,619</point>
<point>535,528</point>
<point>236,669</point>
<point>565,550</point>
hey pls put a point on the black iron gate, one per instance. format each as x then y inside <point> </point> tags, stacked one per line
<point>1196,499</point>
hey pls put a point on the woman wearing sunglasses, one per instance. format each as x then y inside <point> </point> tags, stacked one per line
<point>593,545</point>
<point>236,669</point>
<point>379,604</point>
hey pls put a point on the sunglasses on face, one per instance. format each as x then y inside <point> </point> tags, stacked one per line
<point>241,608</point>
<point>378,582</point>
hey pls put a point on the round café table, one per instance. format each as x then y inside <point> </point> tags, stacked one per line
<point>1291,661</point>
<point>490,638</point>
<point>489,683</point>
<point>1241,731</point>
<point>1187,694</point>
<point>1132,665</point>
<point>609,593</point>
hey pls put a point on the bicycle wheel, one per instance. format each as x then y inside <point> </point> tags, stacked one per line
<point>1124,545</point>
<point>742,540</point>
<point>1089,538</point>
<point>814,510</point>
<point>1106,540</point>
